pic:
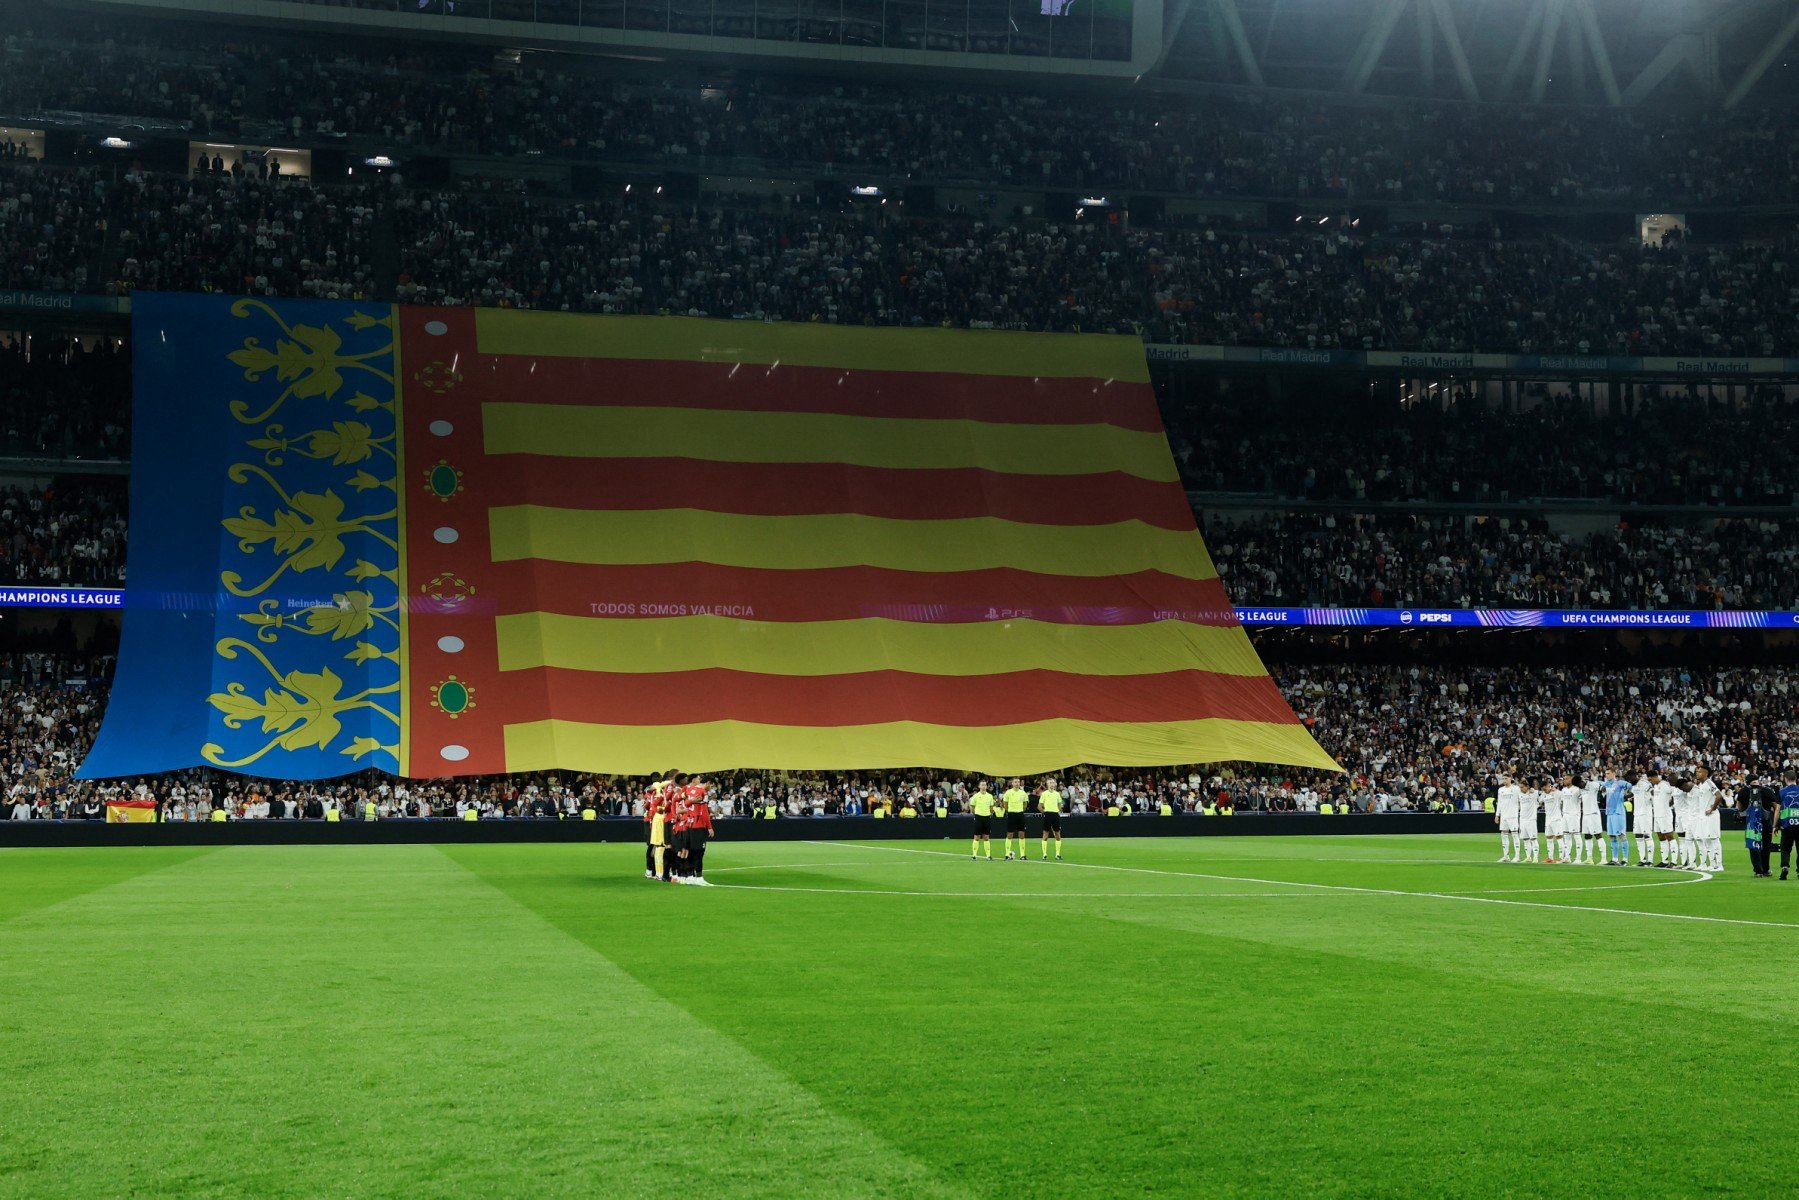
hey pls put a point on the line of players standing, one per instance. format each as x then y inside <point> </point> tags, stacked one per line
<point>677,818</point>
<point>1675,820</point>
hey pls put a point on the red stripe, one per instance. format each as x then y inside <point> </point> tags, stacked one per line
<point>798,489</point>
<point>874,697</point>
<point>748,387</point>
<point>846,593</point>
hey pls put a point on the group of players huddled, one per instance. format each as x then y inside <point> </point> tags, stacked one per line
<point>1589,822</point>
<point>677,818</point>
<point>1012,805</point>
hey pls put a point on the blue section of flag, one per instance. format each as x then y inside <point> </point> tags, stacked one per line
<point>264,492</point>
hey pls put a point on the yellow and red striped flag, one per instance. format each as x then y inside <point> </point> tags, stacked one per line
<point>457,541</point>
<point>633,544</point>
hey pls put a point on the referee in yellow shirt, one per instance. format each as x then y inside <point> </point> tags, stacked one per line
<point>981,805</point>
<point>1049,803</point>
<point>1016,801</point>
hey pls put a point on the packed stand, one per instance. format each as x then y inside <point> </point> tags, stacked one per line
<point>83,229</point>
<point>1411,736</point>
<point>1204,286</point>
<point>1214,143</point>
<point>155,78</point>
<point>71,534</point>
<point>50,707</point>
<point>1412,739</point>
<point>1673,447</point>
<point>1374,561</point>
<point>64,397</point>
<point>275,237</point>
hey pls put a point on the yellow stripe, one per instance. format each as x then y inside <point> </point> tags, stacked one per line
<point>671,535</point>
<point>694,339</point>
<point>604,431</point>
<point>404,658</point>
<point>1023,749</point>
<point>649,645</point>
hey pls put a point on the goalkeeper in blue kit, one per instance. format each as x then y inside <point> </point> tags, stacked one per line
<point>1617,791</point>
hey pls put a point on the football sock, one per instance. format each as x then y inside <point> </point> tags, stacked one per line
<point>977,846</point>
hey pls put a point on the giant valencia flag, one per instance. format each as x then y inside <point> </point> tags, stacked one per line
<point>460,541</point>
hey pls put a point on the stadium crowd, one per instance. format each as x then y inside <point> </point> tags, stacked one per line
<point>1302,147</point>
<point>68,534</point>
<point>1328,448</point>
<point>66,397</point>
<point>1374,561</point>
<point>1412,739</point>
<point>73,229</point>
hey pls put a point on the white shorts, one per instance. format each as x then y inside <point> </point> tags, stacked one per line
<point>1664,818</point>
<point>1642,817</point>
<point>1508,820</point>
<point>1552,824</point>
<point>1591,822</point>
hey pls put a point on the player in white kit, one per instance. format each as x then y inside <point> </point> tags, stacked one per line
<point>1670,819</point>
<point>1527,822</point>
<point>1511,841</point>
<point>1710,826</point>
<point>1665,796</point>
<point>1592,825</point>
<point>1552,820</point>
<point>1569,795</point>
<point>1642,818</point>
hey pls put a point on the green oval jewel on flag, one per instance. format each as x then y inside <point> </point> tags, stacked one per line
<point>452,697</point>
<point>443,480</point>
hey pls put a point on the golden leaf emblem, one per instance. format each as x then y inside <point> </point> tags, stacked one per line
<point>303,710</point>
<point>348,616</point>
<point>368,745</point>
<point>308,534</point>
<point>363,652</point>
<point>344,443</point>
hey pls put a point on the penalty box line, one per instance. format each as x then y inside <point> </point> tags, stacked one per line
<point>1701,877</point>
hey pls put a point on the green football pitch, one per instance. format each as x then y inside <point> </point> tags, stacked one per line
<point>1277,1016</point>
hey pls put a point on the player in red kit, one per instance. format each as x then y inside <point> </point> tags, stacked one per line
<point>697,820</point>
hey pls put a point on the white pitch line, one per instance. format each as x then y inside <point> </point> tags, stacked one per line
<point>757,887</point>
<point>1343,887</point>
<point>1575,887</point>
<point>787,866</point>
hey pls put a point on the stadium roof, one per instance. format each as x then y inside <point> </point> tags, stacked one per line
<point>1606,52</point>
<point>1617,52</point>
